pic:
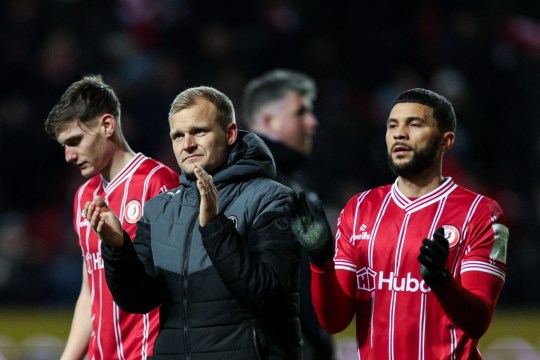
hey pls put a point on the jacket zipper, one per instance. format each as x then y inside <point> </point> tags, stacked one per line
<point>185,289</point>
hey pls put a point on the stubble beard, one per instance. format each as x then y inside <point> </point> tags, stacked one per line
<point>420,161</point>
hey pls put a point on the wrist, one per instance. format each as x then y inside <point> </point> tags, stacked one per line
<point>323,267</point>
<point>434,280</point>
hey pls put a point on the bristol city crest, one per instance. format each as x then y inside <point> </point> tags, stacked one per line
<point>133,211</point>
<point>451,233</point>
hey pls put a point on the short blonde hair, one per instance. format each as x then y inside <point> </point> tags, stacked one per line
<point>224,106</point>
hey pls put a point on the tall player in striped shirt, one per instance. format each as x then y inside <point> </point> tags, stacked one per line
<point>419,263</point>
<point>86,122</point>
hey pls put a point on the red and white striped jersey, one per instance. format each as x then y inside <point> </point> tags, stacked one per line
<point>377,244</point>
<point>117,334</point>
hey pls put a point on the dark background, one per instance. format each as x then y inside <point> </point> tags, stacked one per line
<point>484,56</point>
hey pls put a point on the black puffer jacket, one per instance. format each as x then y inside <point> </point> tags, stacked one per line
<point>228,290</point>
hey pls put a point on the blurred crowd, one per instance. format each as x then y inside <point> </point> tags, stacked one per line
<point>484,56</point>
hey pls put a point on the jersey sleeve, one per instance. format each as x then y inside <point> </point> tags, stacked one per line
<point>160,180</point>
<point>485,252</point>
<point>345,259</point>
<point>333,289</point>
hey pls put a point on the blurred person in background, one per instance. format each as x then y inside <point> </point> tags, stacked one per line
<point>218,254</point>
<point>86,123</point>
<point>278,106</point>
<point>419,263</point>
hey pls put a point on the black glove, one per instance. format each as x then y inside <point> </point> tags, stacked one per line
<point>432,258</point>
<point>312,229</point>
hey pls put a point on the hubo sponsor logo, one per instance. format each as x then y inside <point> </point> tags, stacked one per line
<point>94,261</point>
<point>369,280</point>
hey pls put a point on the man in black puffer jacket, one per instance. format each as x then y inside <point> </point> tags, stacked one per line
<point>217,254</point>
<point>278,106</point>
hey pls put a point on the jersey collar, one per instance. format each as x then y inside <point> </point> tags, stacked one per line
<point>412,205</point>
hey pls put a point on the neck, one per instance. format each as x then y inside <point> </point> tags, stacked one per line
<point>119,160</point>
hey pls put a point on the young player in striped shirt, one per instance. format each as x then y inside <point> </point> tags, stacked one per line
<point>86,122</point>
<point>419,263</point>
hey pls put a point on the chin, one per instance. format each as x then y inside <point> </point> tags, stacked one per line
<point>87,173</point>
<point>189,168</point>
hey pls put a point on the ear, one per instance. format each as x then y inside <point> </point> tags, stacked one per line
<point>272,123</point>
<point>232,133</point>
<point>263,122</point>
<point>108,124</point>
<point>448,139</point>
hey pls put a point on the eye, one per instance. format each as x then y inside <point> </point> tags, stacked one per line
<point>72,142</point>
<point>301,112</point>
<point>200,132</point>
<point>177,137</point>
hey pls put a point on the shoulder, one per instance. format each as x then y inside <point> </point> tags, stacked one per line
<point>149,165</point>
<point>155,173</point>
<point>161,200</point>
<point>373,195</point>
<point>268,187</point>
<point>482,200</point>
<point>261,192</point>
<point>166,195</point>
<point>481,205</point>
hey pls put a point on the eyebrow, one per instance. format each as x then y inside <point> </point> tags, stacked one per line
<point>409,118</point>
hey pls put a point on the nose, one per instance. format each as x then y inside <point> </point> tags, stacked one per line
<point>399,132</point>
<point>188,142</point>
<point>311,121</point>
<point>70,154</point>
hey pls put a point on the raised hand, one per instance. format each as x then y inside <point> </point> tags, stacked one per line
<point>208,208</point>
<point>312,230</point>
<point>432,258</point>
<point>104,222</point>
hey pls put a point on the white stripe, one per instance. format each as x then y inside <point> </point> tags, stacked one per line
<point>127,171</point>
<point>100,316</point>
<point>371,319</point>
<point>400,244</point>
<point>358,202</point>
<point>422,327</point>
<point>391,317</point>
<point>411,206</point>
<point>147,181</point>
<point>371,246</point>
<point>465,227</point>
<point>376,225</point>
<point>437,216</point>
<point>123,203</point>
<point>146,323</point>
<point>343,267</point>
<point>453,342</point>
<point>442,191</point>
<point>96,274</point>
<point>401,200</point>
<point>483,267</point>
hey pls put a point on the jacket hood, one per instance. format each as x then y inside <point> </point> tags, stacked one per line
<point>249,158</point>
<point>286,159</point>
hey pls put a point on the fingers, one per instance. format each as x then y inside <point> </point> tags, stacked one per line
<point>439,232</point>
<point>433,254</point>
<point>208,209</point>
<point>205,182</point>
<point>439,238</point>
<point>433,247</point>
<point>92,213</point>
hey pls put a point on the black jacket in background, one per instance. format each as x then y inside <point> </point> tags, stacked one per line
<point>317,344</point>
<point>228,290</point>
